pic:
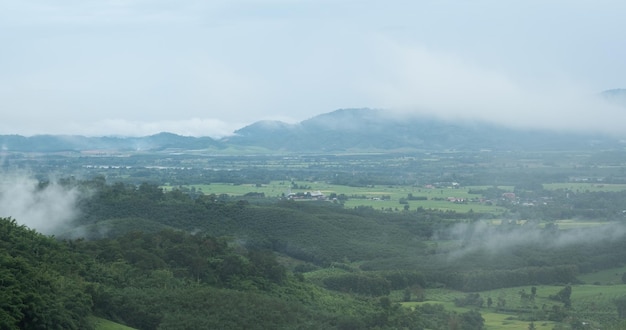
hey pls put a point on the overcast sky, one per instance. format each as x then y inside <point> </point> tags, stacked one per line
<point>205,68</point>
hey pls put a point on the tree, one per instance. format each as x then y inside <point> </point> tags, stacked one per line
<point>473,299</point>
<point>472,320</point>
<point>564,296</point>
<point>523,295</point>
<point>264,264</point>
<point>501,302</point>
<point>620,303</point>
<point>418,292</point>
<point>406,295</point>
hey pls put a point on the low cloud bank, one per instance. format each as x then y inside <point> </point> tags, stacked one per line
<point>420,80</point>
<point>47,207</point>
<point>505,238</point>
<point>214,128</point>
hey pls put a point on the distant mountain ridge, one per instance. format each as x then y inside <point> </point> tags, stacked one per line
<point>347,130</point>
<point>343,130</point>
<point>615,96</point>
<point>58,143</point>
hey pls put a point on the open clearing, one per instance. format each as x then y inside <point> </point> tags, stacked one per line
<point>104,324</point>
<point>377,197</point>
<point>587,301</point>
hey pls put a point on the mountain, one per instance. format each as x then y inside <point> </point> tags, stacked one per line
<point>343,130</point>
<point>60,143</point>
<point>615,96</point>
<point>348,130</point>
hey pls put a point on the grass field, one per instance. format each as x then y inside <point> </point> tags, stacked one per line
<point>104,324</point>
<point>377,197</point>
<point>494,321</point>
<point>571,223</point>
<point>589,302</point>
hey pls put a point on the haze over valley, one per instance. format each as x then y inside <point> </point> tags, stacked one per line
<point>271,164</point>
<point>200,69</point>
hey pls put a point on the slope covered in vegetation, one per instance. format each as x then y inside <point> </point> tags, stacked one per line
<point>172,279</point>
<point>152,259</point>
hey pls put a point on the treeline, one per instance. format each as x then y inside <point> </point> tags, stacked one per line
<point>375,283</point>
<point>477,280</point>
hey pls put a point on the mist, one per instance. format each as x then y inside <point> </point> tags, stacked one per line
<point>48,208</point>
<point>502,239</point>
<point>207,69</point>
<point>416,79</point>
<point>214,128</point>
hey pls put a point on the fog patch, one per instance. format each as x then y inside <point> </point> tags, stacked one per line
<point>419,80</point>
<point>46,207</point>
<point>502,239</point>
<point>214,128</point>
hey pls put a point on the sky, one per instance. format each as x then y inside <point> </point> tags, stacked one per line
<point>207,68</point>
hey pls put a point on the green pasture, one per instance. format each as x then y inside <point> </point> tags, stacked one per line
<point>377,197</point>
<point>271,190</point>
<point>104,324</point>
<point>493,320</point>
<point>589,302</point>
<point>601,296</point>
<point>506,321</point>
<point>571,223</point>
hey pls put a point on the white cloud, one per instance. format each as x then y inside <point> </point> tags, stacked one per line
<point>415,79</point>
<point>214,128</point>
<point>523,63</point>
<point>49,209</point>
<point>498,240</point>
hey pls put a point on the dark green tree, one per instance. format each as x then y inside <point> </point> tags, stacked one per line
<point>406,296</point>
<point>472,320</point>
<point>564,296</point>
<point>620,304</point>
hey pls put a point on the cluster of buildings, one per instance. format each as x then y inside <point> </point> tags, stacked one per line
<point>309,195</point>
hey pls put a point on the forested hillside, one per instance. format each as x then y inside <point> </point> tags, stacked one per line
<point>41,281</point>
<point>155,259</point>
<point>165,277</point>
